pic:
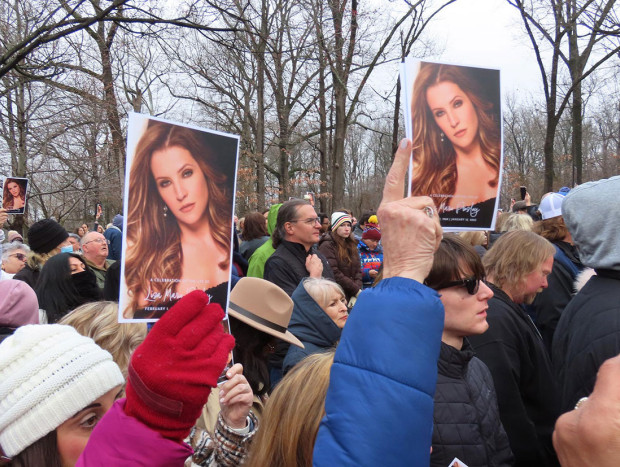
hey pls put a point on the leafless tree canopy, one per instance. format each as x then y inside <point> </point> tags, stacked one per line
<point>311,86</point>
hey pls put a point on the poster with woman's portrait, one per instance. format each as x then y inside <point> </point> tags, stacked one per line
<point>14,194</point>
<point>178,206</point>
<point>453,118</point>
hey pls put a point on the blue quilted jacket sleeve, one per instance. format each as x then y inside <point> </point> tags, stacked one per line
<point>379,405</point>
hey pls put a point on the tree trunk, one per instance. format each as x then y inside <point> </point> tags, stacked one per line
<point>395,125</point>
<point>576,72</point>
<point>338,153</point>
<point>260,112</point>
<point>283,150</point>
<point>323,136</point>
<point>340,71</point>
<point>549,139</point>
<point>577,130</point>
<point>21,153</point>
<point>111,104</point>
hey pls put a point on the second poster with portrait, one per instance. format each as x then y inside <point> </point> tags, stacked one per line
<point>179,202</point>
<point>13,194</point>
<point>453,118</point>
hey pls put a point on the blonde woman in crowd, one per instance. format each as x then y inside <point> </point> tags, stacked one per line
<point>99,321</point>
<point>516,221</point>
<point>292,415</point>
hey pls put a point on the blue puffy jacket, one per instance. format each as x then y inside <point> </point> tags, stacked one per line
<point>379,405</point>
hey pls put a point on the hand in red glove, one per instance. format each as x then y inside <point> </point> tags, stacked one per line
<point>171,373</point>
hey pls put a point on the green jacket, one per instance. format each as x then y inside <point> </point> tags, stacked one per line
<point>262,254</point>
<point>100,272</point>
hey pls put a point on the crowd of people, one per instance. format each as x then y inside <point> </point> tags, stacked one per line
<point>383,341</point>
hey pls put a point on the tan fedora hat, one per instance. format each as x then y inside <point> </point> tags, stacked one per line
<point>264,306</point>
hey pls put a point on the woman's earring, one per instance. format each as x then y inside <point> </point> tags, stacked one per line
<point>441,136</point>
<point>165,211</point>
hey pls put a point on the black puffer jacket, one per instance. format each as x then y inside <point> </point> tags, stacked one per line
<point>466,417</point>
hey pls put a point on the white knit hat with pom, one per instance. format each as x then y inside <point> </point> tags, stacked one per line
<point>48,373</point>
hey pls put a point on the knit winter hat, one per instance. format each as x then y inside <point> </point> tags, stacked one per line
<point>339,218</point>
<point>18,304</point>
<point>45,235</point>
<point>48,373</point>
<point>551,206</point>
<point>371,233</point>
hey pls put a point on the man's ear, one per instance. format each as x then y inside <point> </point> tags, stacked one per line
<point>288,228</point>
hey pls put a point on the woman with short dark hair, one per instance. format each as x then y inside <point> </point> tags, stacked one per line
<point>254,234</point>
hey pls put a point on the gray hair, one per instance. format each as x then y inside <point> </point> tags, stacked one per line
<point>319,290</point>
<point>287,213</point>
<point>9,248</point>
<point>88,235</point>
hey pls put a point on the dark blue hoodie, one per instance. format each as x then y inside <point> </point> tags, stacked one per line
<point>311,325</point>
<point>114,236</point>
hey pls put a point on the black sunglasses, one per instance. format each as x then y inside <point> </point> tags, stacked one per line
<point>471,284</point>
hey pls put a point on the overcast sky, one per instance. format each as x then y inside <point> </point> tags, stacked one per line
<point>488,33</point>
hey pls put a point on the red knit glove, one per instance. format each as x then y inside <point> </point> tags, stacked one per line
<point>171,373</point>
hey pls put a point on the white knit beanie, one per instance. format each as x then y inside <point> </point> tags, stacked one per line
<point>48,373</point>
<point>339,218</point>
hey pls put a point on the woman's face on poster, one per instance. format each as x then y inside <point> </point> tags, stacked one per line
<point>13,189</point>
<point>180,183</point>
<point>454,113</point>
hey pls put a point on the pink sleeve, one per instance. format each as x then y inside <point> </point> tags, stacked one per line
<point>121,440</point>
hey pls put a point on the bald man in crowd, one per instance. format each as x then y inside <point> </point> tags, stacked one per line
<point>95,253</point>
